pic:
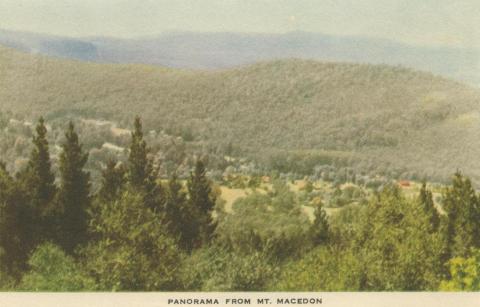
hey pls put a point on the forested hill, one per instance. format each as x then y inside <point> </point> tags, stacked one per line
<point>381,118</point>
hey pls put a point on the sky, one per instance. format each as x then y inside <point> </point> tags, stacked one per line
<point>420,22</point>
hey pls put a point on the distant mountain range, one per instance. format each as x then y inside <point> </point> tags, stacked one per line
<point>224,50</point>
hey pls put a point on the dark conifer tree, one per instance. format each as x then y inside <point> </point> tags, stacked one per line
<point>154,192</point>
<point>44,188</point>
<point>202,203</point>
<point>38,182</point>
<point>142,175</point>
<point>319,231</point>
<point>178,217</point>
<point>113,180</point>
<point>16,221</point>
<point>74,193</point>
<point>138,164</point>
<point>426,200</point>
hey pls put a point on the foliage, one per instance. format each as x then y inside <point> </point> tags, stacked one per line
<point>214,268</point>
<point>396,245</point>
<point>74,193</point>
<point>138,162</point>
<point>178,214</point>
<point>133,251</point>
<point>387,245</point>
<point>426,200</point>
<point>16,226</point>
<point>322,269</point>
<point>143,235</point>
<point>462,206</point>
<point>202,203</point>
<point>7,283</point>
<point>38,182</point>
<point>113,180</point>
<point>141,174</point>
<point>465,274</point>
<point>246,229</point>
<point>52,270</point>
<point>319,231</point>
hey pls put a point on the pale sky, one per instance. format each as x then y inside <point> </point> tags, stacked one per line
<point>424,22</point>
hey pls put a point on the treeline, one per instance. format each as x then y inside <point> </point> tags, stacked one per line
<point>140,233</point>
<point>133,216</point>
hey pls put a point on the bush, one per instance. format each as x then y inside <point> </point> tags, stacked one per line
<point>285,233</point>
<point>133,252</point>
<point>6,282</point>
<point>52,270</point>
<point>216,268</point>
<point>322,269</point>
<point>465,274</point>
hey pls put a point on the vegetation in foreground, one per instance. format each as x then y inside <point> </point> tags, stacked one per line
<point>139,233</point>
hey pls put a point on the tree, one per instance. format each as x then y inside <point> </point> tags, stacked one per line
<point>284,236</point>
<point>133,251</point>
<point>113,180</point>
<point>141,174</point>
<point>325,268</point>
<point>215,268</point>
<point>395,243</point>
<point>465,274</point>
<point>319,230</point>
<point>52,270</point>
<point>461,205</point>
<point>16,226</point>
<point>38,181</point>
<point>138,164</point>
<point>426,200</point>
<point>202,203</point>
<point>178,218</point>
<point>74,193</point>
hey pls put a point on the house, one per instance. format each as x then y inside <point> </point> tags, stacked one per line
<point>404,183</point>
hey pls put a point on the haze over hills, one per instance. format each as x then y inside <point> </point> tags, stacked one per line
<point>368,116</point>
<point>225,50</point>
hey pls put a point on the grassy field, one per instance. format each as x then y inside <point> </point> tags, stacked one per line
<point>322,190</point>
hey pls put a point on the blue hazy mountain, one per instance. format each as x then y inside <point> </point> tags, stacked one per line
<point>225,50</point>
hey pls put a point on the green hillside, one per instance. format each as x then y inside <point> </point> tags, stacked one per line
<point>374,118</point>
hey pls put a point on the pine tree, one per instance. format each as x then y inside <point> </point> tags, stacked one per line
<point>463,212</point>
<point>113,180</point>
<point>74,197</point>
<point>178,218</point>
<point>202,202</point>
<point>44,187</point>
<point>16,226</point>
<point>154,191</point>
<point>426,200</point>
<point>141,173</point>
<point>138,162</point>
<point>38,181</point>
<point>319,231</point>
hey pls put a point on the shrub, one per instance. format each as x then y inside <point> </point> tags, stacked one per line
<point>52,270</point>
<point>216,268</point>
<point>465,274</point>
<point>322,269</point>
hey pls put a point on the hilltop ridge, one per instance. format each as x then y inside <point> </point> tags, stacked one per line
<point>382,117</point>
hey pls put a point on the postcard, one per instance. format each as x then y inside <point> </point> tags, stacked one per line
<point>240,152</point>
